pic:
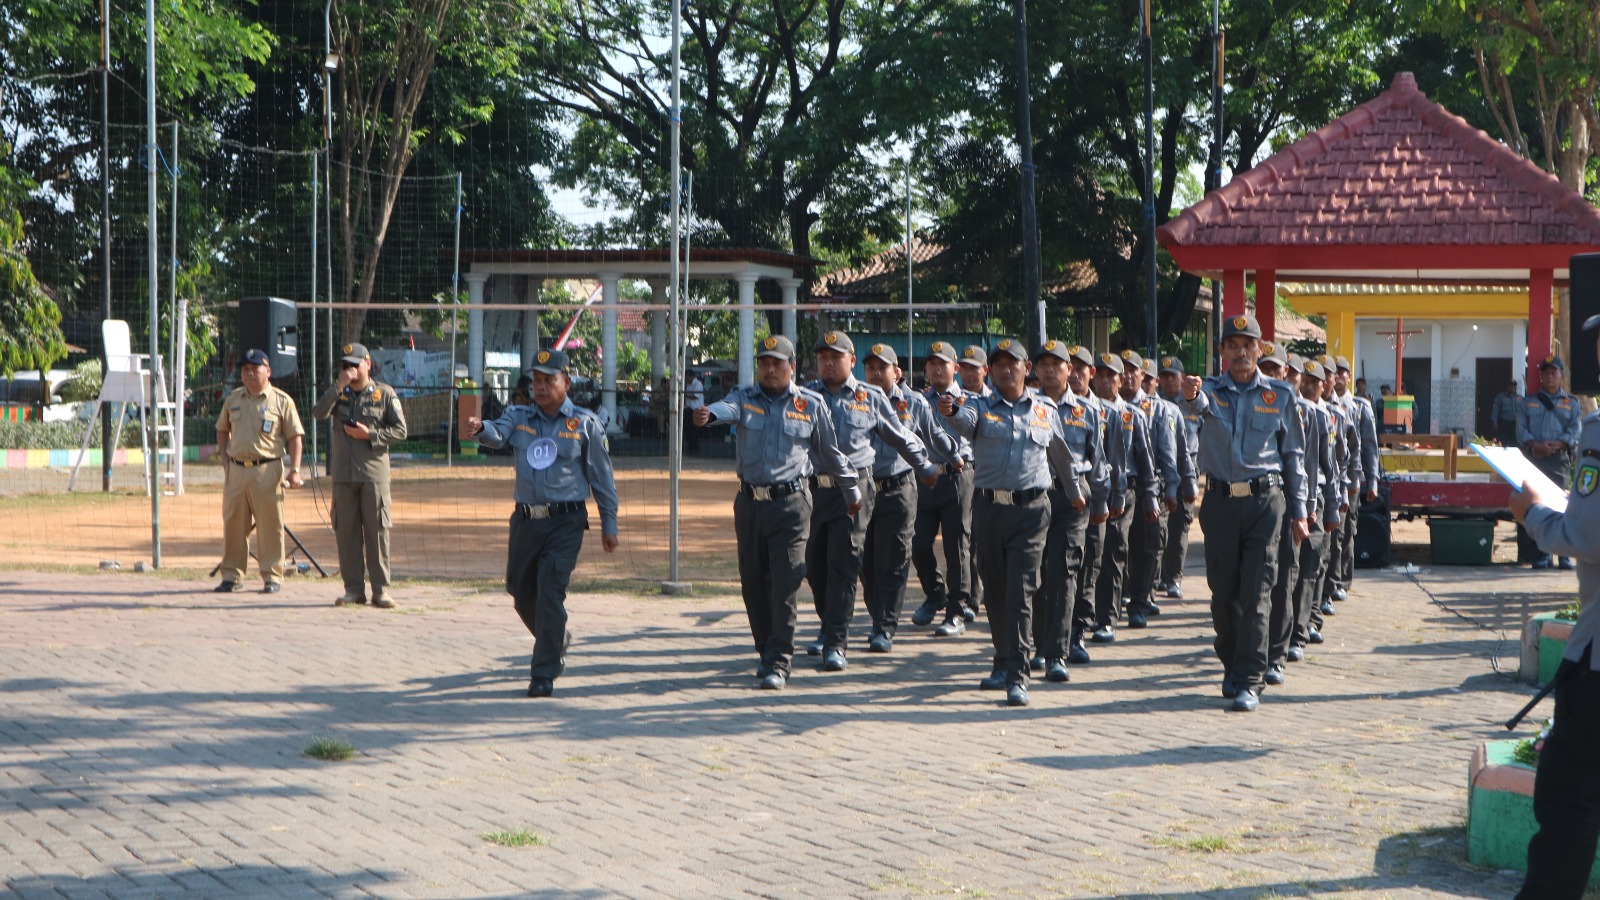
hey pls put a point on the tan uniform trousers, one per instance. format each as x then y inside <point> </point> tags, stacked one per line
<point>361,526</point>
<point>253,494</point>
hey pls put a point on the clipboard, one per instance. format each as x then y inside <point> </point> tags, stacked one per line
<point>1511,465</point>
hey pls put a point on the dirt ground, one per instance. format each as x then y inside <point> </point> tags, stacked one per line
<point>449,522</point>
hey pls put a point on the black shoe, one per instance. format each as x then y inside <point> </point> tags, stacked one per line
<point>926,613</point>
<point>970,613</point>
<point>1175,591</point>
<point>1036,664</point>
<point>773,681</point>
<point>1056,670</point>
<point>1229,689</point>
<point>271,587</point>
<point>880,643</point>
<point>1247,700</point>
<point>541,687</point>
<point>1296,653</point>
<point>995,682</point>
<point>1137,620</point>
<point>1017,695</point>
<point>1566,564</point>
<point>834,661</point>
<point>228,587</point>
<point>1327,607</point>
<point>763,670</point>
<point>1314,636</point>
<point>1274,675</point>
<point>1078,654</point>
<point>815,647</point>
<point>1542,563</point>
<point>1103,634</point>
<point>952,626</point>
<point>1151,609</point>
<point>1341,594</point>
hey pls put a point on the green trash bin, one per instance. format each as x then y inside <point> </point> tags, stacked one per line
<point>1461,542</point>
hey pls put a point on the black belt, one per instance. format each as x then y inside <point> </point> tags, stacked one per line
<point>828,481</point>
<point>546,510</point>
<point>952,470</point>
<point>770,491</point>
<point>1011,498</point>
<point>1261,484</point>
<point>252,463</point>
<point>890,482</point>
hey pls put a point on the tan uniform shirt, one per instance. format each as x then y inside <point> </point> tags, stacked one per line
<point>378,408</point>
<point>260,427</point>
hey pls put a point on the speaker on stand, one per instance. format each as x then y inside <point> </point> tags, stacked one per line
<point>1583,297</point>
<point>268,324</point>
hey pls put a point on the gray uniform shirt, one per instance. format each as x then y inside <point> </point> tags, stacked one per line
<point>1505,406</point>
<point>1324,480</point>
<point>1017,446</point>
<point>914,416</point>
<point>377,407</point>
<point>1576,533</point>
<point>1249,430</point>
<point>784,438</point>
<point>963,446</point>
<point>1168,445</point>
<point>1191,431</point>
<point>1367,437</point>
<point>1127,427</point>
<point>1084,428</point>
<point>1549,417</point>
<point>574,444</point>
<point>861,412</point>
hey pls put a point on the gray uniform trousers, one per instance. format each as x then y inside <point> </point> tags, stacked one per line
<point>1094,544</point>
<point>1342,552</point>
<point>833,558</point>
<point>886,558</point>
<point>1281,621</point>
<point>1114,563</point>
<point>1242,536</point>
<point>361,527</point>
<point>1308,587</point>
<point>772,551</point>
<point>1559,470</point>
<point>945,508</point>
<point>1176,551</point>
<point>540,557</point>
<point>1054,599</point>
<point>1010,547</point>
<point>1146,543</point>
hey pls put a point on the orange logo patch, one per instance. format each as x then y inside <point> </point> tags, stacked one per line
<point>1107,357</point>
<point>770,343</point>
<point>1127,354</point>
<point>879,349</point>
<point>1041,413</point>
<point>861,395</point>
<point>377,395</point>
<point>1074,350</point>
<point>970,353</point>
<point>830,338</point>
<point>1003,345</point>
<point>544,356</point>
<point>1127,418</point>
<point>1166,360</point>
<point>900,405</point>
<point>1269,397</point>
<point>348,348</point>
<point>800,404</point>
<point>1241,322</point>
<point>1050,345</point>
<point>938,347</point>
<point>1267,348</point>
<point>572,424</point>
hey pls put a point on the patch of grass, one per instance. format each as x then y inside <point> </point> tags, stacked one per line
<point>1210,843</point>
<point>329,749</point>
<point>522,837</point>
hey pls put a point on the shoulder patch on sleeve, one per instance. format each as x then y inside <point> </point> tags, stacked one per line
<point>1588,476</point>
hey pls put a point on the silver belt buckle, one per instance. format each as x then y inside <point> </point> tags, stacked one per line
<point>1004,498</point>
<point>539,511</point>
<point>825,481</point>
<point>761,492</point>
<point>1239,489</point>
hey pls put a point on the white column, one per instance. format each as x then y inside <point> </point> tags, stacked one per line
<point>475,283</point>
<point>791,289</point>
<point>747,326</point>
<point>1519,353</point>
<point>658,332</point>
<point>608,345</point>
<point>530,323</point>
<point>1436,374</point>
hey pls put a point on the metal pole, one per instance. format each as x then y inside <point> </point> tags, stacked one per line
<point>675,402</point>
<point>1151,338</point>
<point>455,297</point>
<point>327,155</point>
<point>316,198</point>
<point>180,381</point>
<point>1217,137</point>
<point>177,336</point>
<point>910,345</point>
<point>106,450</point>
<point>1032,302</point>
<point>155,269</point>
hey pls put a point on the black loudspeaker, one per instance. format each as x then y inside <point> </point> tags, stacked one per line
<point>1372,531</point>
<point>1583,370</point>
<point>268,324</point>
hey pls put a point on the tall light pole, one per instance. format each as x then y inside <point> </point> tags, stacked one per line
<point>1032,303</point>
<point>151,149</point>
<point>1148,44</point>
<point>106,450</point>
<point>674,327</point>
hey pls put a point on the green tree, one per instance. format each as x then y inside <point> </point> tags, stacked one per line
<point>30,322</point>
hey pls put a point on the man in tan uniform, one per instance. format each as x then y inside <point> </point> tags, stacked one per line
<point>257,426</point>
<point>369,419</point>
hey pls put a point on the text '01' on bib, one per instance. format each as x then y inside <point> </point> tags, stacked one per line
<point>542,453</point>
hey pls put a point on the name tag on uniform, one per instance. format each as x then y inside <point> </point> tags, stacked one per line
<point>266,426</point>
<point>542,454</point>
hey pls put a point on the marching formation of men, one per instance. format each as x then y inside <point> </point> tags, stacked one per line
<point>1062,483</point>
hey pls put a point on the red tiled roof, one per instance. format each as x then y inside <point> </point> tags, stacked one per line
<point>885,273</point>
<point>1398,170</point>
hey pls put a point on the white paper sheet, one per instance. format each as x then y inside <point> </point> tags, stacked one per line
<point>1510,464</point>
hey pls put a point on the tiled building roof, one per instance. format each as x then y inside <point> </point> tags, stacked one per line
<point>1398,170</point>
<point>885,274</point>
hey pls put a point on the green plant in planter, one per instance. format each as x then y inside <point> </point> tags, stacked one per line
<point>1528,749</point>
<point>1569,613</point>
<point>85,384</point>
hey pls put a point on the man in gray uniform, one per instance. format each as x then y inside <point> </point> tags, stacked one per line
<point>945,508</point>
<point>1341,566</point>
<point>1018,446</point>
<point>561,458</point>
<point>1063,545</point>
<point>1325,451</point>
<point>886,555</point>
<point>1170,453</point>
<point>1547,432</point>
<point>369,419</point>
<point>838,535</point>
<point>1080,378</point>
<point>1275,364</point>
<point>1176,552</point>
<point>1504,413</point>
<point>1137,494</point>
<point>1566,790</point>
<point>973,370</point>
<point>1251,445</point>
<point>785,434</point>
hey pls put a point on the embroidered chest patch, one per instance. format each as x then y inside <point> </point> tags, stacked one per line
<point>1588,476</point>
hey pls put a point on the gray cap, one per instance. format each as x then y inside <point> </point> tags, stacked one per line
<point>1274,352</point>
<point>1110,361</point>
<point>776,346</point>
<point>1314,370</point>
<point>1245,325</point>
<point>974,355</point>
<point>354,353</point>
<point>1553,362</point>
<point>1341,364</point>
<point>942,350</point>
<point>1080,353</point>
<point>836,340</point>
<point>1297,363</point>
<point>1171,365</point>
<point>1011,348</point>
<point>1055,348</point>
<point>255,358</point>
<point>550,362</point>
<point>885,353</point>
<point>1132,360</point>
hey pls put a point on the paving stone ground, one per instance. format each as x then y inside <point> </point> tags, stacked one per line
<point>151,738</point>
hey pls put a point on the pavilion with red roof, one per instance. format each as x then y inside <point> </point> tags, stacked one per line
<point>1396,191</point>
